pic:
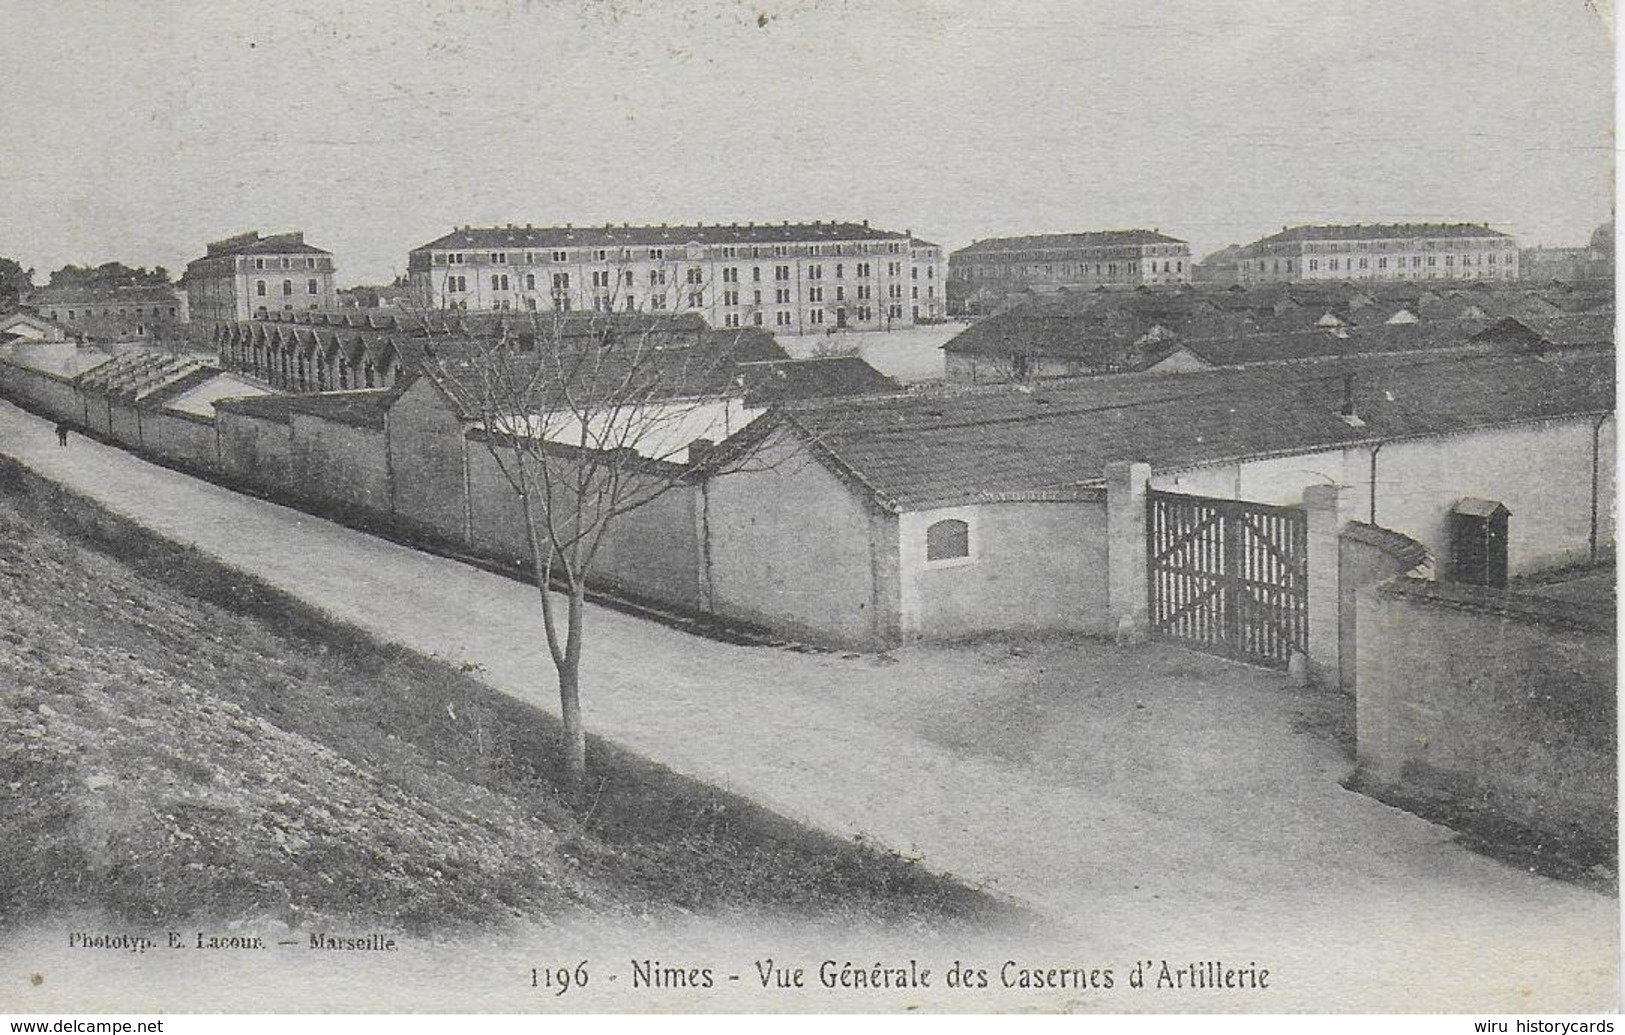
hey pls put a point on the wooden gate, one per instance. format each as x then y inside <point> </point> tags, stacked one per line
<point>1228,576</point>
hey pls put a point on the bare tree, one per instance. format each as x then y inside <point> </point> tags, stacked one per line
<point>591,415</point>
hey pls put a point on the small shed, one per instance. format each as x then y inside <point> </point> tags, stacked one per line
<point>1478,542</point>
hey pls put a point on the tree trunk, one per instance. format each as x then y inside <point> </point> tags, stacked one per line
<point>575,730</point>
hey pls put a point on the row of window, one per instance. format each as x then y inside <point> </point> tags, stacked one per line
<point>457,284</point>
<point>91,314</point>
<point>288,263</point>
<point>1399,262</point>
<point>1398,245</point>
<point>730,274</point>
<point>988,271</point>
<point>311,287</point>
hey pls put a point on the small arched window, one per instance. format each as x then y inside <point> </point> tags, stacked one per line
<point>946,540</point>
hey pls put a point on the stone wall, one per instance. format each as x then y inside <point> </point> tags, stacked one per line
<point>1484,704</point>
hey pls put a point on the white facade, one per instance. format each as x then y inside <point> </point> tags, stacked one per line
<point>867,281</point>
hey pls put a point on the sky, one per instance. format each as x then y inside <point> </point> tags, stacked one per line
<point>138,132</point>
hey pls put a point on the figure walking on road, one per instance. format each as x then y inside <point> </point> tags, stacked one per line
<point>62,435</point>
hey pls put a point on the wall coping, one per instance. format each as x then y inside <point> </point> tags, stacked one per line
<point>1500,603</point>
<point>1395,544</point>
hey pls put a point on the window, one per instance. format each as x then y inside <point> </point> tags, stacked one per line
<point>696,299</point>
<point>815,271</point>
<point>310,286</point>
<point>782,318</point>
<point>730,274</point>
<point>657,253</point>
<point>815,294</point>
<point>755,298</point>
<point>840,270</point>
<point>600,278</point>
<point>560,256</point>
<point>731,320</point>
<point>756,274</point>
<point>781,273</point>
<point>499,258</point>
<point>756,318</point>
<point>287,287</point>
<point>657,301</point>
<point>259,288</point>
<point>730,298</point>
<point>782,296</point>
<point>816,316</point>
<point>626,277</point>
<point>530,282</point>
<point>729,251</point>
<point>696,275</point>
<point>561,282</point>
<point>259,264</point>
<point>600,255</point>
<point>657,277</point>
<point>947,540</point>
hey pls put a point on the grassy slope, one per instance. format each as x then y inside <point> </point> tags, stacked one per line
<point>165,756</point>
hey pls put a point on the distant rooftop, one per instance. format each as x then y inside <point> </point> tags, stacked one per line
<point>67,294</point>
<point>251,243</point>
<point>675,235</point>
<point>1087,239</point>
<point>1380,232</point>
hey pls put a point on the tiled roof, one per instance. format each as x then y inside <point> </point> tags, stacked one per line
<point>921,451</point>
<point>1086,239</point>
<point>771,381</point>
<point>612,236</point>
<point>1108,331</point>
<point>69,294</point>
<point>1380,232</point>
<point>251,243</point>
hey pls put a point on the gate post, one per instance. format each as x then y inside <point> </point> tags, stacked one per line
<point>1126,605</point>
<point>1324,505</point>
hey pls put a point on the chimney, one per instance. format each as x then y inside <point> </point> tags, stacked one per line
<point>1347,411</point>
<point>699,450</point>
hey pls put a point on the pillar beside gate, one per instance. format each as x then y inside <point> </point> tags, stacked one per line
<point>1324,505</point>
<point>1127,612</point>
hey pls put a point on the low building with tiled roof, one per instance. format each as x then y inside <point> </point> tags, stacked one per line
<point>789,278</point>
<point>989,269</point>
<point>982,510</point>
<point>1117,332</point>
<point>144,313</point>
<point>1378,252</point>
<point>248,275</point>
